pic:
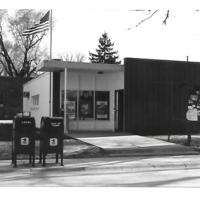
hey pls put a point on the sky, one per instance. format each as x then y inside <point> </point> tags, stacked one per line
<point>79,24</point>
<point>78,30</point>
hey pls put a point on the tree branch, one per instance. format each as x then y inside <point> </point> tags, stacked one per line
<point>138,10</point>
<point>167,16</point>
<point>5,68</point>
<point>9,68</point>
<point>1,71</point>
<point>30,72</point>
<point>38,40</point>
<point>147,18</point>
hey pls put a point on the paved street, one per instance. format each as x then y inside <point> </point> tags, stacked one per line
<point>169,171</point>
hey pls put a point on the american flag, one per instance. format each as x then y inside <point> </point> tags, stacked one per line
<point>43,25</point>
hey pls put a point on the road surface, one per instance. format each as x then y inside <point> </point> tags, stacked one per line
<point>165,171</point>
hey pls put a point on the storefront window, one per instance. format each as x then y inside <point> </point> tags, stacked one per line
<point>102,105</point>
<point>86,103</point>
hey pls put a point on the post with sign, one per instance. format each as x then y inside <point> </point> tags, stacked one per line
<point>52,133</point>
<point>23,139</point>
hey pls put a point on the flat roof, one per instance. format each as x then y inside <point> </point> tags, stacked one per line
<point>59,65</point>
<point>161,60</point>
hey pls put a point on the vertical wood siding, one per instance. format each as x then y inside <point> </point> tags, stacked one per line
<point>156,95</point>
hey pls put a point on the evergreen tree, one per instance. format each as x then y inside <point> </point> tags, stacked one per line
<point>105,52</point>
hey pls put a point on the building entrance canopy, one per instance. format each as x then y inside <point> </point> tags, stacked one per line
<point>59,65</point>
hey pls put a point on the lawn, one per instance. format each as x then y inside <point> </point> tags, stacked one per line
<point>181,139</point>
<point>73,148</point>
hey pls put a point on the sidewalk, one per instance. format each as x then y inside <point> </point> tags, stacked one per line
<point>94,145</point>
<point>135,145</point>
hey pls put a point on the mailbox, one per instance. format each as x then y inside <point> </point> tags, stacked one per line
<point>51,140</point>
<point>23,138</point>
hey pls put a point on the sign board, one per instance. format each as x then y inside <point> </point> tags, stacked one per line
<point>192,115</point>
<point>53,142</point>
<point>24,141</point>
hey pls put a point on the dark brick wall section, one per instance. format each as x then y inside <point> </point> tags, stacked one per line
<point>11,96</point>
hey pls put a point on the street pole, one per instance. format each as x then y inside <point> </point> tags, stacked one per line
<point>65,101</point>
<point>51,77</point>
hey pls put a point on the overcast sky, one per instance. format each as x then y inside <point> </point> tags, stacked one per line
<point>79,24</point>
<point>78,30</point>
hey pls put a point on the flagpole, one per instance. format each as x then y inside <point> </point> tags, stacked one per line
<point>50,34</point>
<point>51,77</point>
<point>65,102</point>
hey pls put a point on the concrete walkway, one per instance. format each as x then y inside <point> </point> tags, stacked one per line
<point>137,146</point>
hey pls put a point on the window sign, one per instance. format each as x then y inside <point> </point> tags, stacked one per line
<point>102,105</point>
<point>101,110</point>
<point>71,103</point>
<point>86,104</point>
<point>71,109</point>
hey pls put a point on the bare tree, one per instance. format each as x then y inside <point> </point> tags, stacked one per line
<point>70,57</point>
<point>19,55</point>
<point>67,57</point>
<point>150,14</point>
<point>79,57</point>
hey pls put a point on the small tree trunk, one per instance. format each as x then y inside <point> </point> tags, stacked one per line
<point>188,139</point>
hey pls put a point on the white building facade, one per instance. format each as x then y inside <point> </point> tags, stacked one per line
<point>92,94</point>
